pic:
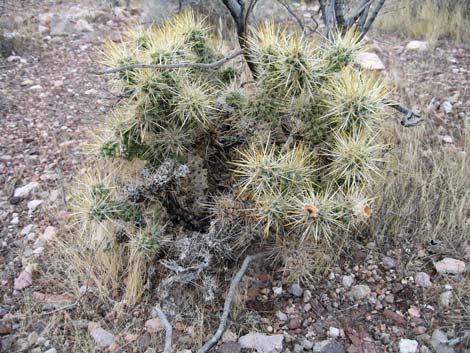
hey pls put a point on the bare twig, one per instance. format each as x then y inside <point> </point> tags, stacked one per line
<point>228,301</point>
<point>293,14</point>
<point>212,65</point>
<point>168,329</point>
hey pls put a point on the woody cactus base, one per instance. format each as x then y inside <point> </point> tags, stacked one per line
<point>197,167</point>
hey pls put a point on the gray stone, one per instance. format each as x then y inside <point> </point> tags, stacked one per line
<point>328,346</point>
<point>408,346</point>
<point>82,25</point>
<point>307,344</point>
<point>438,336</point>
<point>61,25</point>
<point>360,291</point>
<point>422,279</point>
<point>389,262</point>
<point>281,316</point>
<point>229,347</point>
<point>262,343</point>
<point>296,290</point>
<point>298,348</point>
<point>450,266</point>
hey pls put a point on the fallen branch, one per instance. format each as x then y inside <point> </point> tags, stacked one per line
<point>410,118</point>
<point>168,329</point>
<point>228,302</point>
<point>182,65</point>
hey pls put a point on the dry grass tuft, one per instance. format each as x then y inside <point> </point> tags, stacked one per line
<point>430,19</point>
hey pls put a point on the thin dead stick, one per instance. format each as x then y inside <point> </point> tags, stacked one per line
<point>168,329</point>
<point>62,188</point>
<point>287,7</point>
<point>182,65</point>
<point>228,301</point>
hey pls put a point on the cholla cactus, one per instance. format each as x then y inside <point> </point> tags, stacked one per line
<point>291,158</point>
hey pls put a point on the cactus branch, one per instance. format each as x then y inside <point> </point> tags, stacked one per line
<point>182,65</point>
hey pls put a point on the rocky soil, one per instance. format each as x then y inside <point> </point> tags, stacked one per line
<point>370,302</point>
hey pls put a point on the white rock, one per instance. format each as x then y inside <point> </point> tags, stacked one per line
<point>334,332</point>
<point>91,92</point>
<point>35,88</point>
<point>154,325</point>
<point>408,346</point>
<point>370,61</point>
<point>45,19</point>
<point>102,337</point>
<point>445,298</point>
<point>446,107</point>
<point>447,139</point>
<point>25,279</point>
<point>348,281</point>
<point>33,205</point>
<point>277,290</point>
<point>24,191</point>
<point>417,45</point>
<point>27,82</point>
<point>82,25</point>
<point>15,221</point>
<point>28,229</point>
<point>422,279</point>
<point>13,58</point>
<point>360,291</point>
<point>49,233</point>
<point>262,343</point>
<point>450,266</point>
<point>43,29</point>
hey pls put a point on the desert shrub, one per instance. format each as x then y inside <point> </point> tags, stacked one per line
<point>430,19</point>
<point>195,167</point>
